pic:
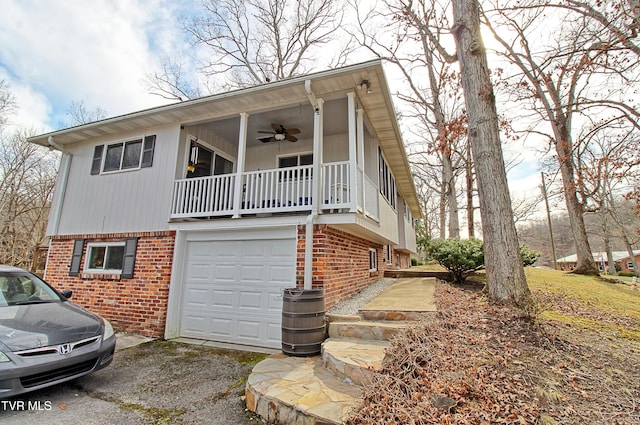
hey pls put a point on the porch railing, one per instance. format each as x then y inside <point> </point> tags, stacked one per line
<point>263,191</point>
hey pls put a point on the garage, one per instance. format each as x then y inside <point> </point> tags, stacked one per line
<point>233,282</point>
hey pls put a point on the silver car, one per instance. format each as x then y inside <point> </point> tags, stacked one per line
<point>45,339</point>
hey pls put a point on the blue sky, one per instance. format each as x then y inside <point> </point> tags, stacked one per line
<point>98,52</point>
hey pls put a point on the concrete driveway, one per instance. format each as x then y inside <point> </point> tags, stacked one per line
<point>156,382</point>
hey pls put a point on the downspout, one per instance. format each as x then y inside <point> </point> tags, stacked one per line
<point>317,129</point>
<point>63,178</point>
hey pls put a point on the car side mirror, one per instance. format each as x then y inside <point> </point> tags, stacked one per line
<point>67,293</point>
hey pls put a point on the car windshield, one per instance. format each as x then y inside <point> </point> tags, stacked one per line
<point>24,288</point>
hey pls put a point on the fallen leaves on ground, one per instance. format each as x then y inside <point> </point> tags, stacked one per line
<point>480,362</point>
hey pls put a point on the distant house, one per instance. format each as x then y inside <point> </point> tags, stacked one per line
<point>190,219</point>
<point>621,258</point>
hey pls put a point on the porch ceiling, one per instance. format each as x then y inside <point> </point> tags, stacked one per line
<point>266,99</point>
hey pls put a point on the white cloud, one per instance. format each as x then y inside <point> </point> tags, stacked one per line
<point>97,52</point>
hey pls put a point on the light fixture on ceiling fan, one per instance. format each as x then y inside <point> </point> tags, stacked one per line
<point>279,134</point>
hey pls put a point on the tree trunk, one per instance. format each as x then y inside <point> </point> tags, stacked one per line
<point>585,264</point>
<point>632,257</point>
<point>452,199</point>
<point>469,178</point>
<point>505,273</point>
<point>443,208</point>
<point>606,236</point>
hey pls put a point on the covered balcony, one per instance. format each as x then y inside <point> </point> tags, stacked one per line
<point>228,173</point>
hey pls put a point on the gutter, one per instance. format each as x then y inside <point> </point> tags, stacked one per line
<point>63,178</point>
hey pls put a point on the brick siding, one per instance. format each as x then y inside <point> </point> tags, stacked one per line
<point>340,263</point>
<point>137,305</point>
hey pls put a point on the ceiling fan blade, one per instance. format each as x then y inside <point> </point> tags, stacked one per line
<point>265,131</point>
<point>291,138</point>
<point>278,128</point>
<point>266,139</point>
<point>293,130</point>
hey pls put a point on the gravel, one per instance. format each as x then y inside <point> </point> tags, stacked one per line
<point>353,304</point>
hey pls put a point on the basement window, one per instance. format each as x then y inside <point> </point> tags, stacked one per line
<point>373,260</point>
<point>104,257</point>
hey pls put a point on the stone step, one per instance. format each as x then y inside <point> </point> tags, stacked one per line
<point>365,329</point>
<point>392,315</point>
<point>299,391</point>
<point>354,361</point>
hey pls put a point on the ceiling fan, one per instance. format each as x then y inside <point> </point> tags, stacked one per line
<point>279,133</point>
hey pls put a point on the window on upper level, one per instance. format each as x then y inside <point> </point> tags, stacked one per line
<point>296,160</point>
<point>386,180</point>
<point>127,155</point>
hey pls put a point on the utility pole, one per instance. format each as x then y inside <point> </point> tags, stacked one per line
<point>546,201</point>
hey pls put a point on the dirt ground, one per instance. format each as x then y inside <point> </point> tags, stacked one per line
<point>479,362</point>
<point>153,383</point>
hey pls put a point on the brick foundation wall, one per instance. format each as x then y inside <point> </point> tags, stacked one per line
<point>137,305</point>
<point>340,263</point>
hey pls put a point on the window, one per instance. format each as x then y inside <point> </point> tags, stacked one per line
<point>105,257</point>
<point>386,181</point>
<point>388,254</point>
<point>297,160</point>
<point>629,265</point>
<point>373,260</point>
<point>128,155</point>
<point>116,257</point>
<point>206,162</point>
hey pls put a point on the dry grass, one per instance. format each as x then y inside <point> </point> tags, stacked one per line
<point>479,362</point>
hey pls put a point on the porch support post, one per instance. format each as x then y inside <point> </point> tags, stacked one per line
<point>351,111</point>
<point>316,189</point>
<point>360,192</point>
<point>242,149</point>
<point>318,135</point>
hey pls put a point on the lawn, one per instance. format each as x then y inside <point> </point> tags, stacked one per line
<point>481,362</point>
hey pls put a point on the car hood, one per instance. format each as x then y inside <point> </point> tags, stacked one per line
<point>23,327</point>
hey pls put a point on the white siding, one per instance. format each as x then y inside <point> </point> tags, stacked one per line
<point>388,221</point>
<point>136,200</point>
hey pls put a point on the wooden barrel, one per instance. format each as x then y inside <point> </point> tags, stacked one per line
<point>303,327</point>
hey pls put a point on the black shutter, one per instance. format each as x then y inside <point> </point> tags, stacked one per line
<point>147,151</point>
<point>97,160</point>
<point>76,257</point>
<point>129,261</point>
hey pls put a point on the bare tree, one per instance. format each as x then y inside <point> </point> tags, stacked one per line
<point>408,33</point>
<point>558,82</point>
<point>506,280</point>
<point>27,179</point>
<point>247,42</point>
<point>7,102</point>
<point>79,114</point>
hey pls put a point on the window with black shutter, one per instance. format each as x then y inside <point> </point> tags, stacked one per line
<point>129,155</point>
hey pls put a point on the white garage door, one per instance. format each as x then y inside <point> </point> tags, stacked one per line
<point>233,287</point>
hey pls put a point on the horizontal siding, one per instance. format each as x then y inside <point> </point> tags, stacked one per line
<point>137,200</point>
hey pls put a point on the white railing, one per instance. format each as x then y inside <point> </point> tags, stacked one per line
<point>203,196</point>
<point>263,191</point>
<point>337,194</point>
<point>279,190</point>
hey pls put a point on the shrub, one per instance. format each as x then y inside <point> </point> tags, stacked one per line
<point>414,261</point>
<point>529,256</point>
<point>626,274</point>
<point>459,256</point>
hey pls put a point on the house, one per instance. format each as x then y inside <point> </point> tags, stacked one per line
<point>190,219</point>
<point>621,258</point>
